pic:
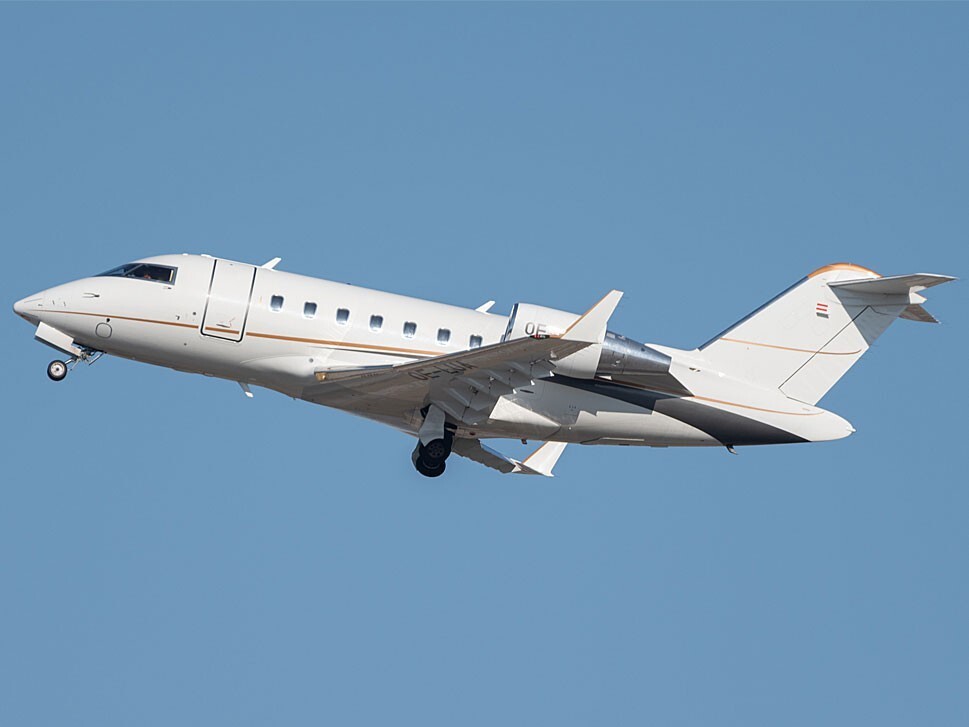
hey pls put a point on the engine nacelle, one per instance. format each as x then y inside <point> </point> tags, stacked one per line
<point>540,322</point>
<point>537,321</point>
<point>617,356</point>
<point>623,356</point>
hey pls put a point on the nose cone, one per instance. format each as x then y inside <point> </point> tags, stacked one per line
<point>25,306</point>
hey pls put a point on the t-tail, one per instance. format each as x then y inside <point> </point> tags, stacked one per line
<point>805,339</point>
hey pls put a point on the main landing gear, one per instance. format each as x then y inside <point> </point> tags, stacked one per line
<point>433,443</point>
<point>431,459</point>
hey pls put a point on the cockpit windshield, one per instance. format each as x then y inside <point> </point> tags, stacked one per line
<point>143,271</point>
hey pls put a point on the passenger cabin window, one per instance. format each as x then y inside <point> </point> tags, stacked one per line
<point>475,342</point>
<point>342,316</point>
<point>410,329</point>
<point>276,303</point>
<point>443,336</point>
<point>376,323</point>
<point>142,271</point>
<point>309,310</point>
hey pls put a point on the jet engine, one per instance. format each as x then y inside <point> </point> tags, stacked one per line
<point>617,357</point>
<point>537,321</point>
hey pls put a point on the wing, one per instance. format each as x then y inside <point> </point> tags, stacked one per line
<point>540,462</point>
<point>466,385</point>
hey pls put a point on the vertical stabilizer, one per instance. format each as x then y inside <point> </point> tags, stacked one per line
<point>805,339</point>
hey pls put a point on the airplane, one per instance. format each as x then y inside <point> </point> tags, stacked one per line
<point>451,377</point>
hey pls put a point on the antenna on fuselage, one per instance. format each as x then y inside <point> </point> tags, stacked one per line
<point>271,265</point>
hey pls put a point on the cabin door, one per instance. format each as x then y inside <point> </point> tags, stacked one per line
<point>227,306</point>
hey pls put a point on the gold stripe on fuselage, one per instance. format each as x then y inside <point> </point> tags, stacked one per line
<point>350,345</point>
<point>788,348</point>
<point>108,316</point>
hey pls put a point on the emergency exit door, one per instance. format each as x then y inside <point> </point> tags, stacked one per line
<point>227,306</point>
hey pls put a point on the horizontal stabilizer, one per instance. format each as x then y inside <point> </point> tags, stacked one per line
<point>894,285</point>
<point>895,289</point>
<point>918,313</point>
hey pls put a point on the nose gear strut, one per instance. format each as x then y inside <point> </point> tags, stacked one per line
<point>57,370</point>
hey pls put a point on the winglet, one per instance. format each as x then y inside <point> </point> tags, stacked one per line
<point>271,265</point>
<point>541,461</point>
<point>591,327</point>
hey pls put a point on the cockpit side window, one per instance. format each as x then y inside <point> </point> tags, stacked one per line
<point>142,271</point>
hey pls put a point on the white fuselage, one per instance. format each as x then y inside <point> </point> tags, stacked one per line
<point>278,330</point>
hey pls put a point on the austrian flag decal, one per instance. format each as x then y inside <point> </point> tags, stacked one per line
<point>822,310</point>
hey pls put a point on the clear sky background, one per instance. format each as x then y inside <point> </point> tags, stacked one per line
<point>173,553</point>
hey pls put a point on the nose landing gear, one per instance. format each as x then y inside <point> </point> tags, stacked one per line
<point>57,370</point>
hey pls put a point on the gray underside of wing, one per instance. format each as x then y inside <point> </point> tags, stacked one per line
<point>466,385</point>
<point>474,450</point>
<point>540,462</point>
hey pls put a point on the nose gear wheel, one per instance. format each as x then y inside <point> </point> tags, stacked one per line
<point>56,370</point>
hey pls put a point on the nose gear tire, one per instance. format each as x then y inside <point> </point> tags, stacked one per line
<point>56,370</point>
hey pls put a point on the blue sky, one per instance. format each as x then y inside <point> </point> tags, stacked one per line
<point>173,553</point>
